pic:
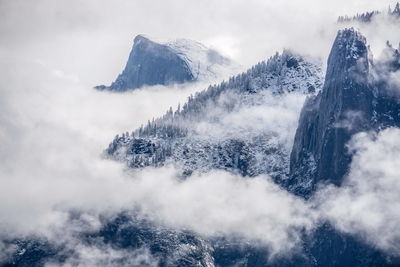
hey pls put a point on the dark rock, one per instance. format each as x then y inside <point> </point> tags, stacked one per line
<point>328,120</point>
<point>357,96</point>
<point>150,63</point>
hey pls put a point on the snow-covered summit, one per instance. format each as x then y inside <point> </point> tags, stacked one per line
<point>231,126</point>
<point>154,62</point>
<point>351,42</point>
<point>204,63</point>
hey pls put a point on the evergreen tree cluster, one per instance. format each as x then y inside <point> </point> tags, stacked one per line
<point>368,16</point>
<point>173,136</point>
<point>173,124</point>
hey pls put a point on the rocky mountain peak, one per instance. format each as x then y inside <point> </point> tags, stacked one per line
<point>140,37</point>
<point>328,120</point>
<point>355,98</point>
<point>164,63</point>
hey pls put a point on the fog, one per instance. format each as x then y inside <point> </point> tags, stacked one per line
<point>54,126</point>
<point>368,202</point>
<point>90,40</point>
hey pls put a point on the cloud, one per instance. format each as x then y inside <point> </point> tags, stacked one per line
<point>267,114</point>
<point>6,251</point>
<point>53,132</point>
<point>222,204</point>
<point>88,40</point>
<point>386,71</point>
<point>368,203</point>
<point>53,126</point>
<point>102,255</point>
<point>381,29</point>
<point>353,119</point>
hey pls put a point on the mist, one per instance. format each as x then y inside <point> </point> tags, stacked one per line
<point>54,127</point>
<point>367,204</point>
<point>91,40</point>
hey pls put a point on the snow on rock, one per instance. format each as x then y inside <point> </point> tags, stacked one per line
<point>205,64</point>
<point>163,63</point>
<point>245,125</point>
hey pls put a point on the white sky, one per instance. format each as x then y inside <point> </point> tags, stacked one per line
<point>91,39</point>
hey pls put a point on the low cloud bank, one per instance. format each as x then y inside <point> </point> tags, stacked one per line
<point>51,165</point>
<point>368,203</point>
<point>53,129</point>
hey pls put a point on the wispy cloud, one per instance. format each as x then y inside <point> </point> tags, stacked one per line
<point>53,126</point>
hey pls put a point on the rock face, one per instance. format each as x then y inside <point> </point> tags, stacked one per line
<point>328,120</point>
<point>355,98</point>
<point>358,95</point>
<point>152,63</point>
<point>241,148</point>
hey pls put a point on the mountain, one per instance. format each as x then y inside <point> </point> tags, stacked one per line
<point>142,243</point>
<point>356,97</point>
<point>198,137</point>
<point>219,128</point>
<point>152,63</point>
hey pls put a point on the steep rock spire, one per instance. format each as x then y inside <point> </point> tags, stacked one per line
<point>328,120</point>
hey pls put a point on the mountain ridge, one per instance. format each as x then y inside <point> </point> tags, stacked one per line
<point>175,137</point>
<point>351,101</point>
<point>357,95</point>
<point>165,63</point>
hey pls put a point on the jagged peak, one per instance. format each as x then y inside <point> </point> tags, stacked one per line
<point>187,60</point>
<point>141,37</point>
<point>352,34</point>
<point>350,44</point>
<point>348,63</point>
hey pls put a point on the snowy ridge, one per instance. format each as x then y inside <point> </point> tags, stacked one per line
<point>205,64</point>
<point>228,126</point>
<point>173,62</point>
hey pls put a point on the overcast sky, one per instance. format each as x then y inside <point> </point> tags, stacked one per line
<point>91,39</point>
